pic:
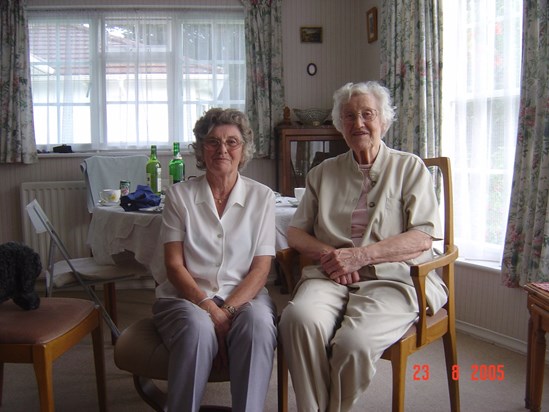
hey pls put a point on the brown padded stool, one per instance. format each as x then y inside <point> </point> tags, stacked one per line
<point>40,336</point>
<point>140,351</point>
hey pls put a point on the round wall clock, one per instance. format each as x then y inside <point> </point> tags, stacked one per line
<point>311,69</point>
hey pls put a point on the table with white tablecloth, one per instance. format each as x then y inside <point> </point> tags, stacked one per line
<point>113,231</point>
<point>285,209</point>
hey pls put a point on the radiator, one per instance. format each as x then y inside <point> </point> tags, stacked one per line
<point>65,205</point>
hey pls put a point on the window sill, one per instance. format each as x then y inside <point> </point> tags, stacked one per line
<point>51,155</point>
<point>489,266</point>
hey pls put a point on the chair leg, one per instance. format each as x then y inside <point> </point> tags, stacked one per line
<point>282,377</point>
<point>398,365</point>
<point>99,361</point>
<point>1,381</point>
<point>43,370</point>
<point>450,352</point>
<point>109,297</point>
<point>150,393</point>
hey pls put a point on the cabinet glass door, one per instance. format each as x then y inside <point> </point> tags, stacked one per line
<point>304,155</point>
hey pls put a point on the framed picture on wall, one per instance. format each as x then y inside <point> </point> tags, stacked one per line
<point>311,34</point>
<point>371,24</point>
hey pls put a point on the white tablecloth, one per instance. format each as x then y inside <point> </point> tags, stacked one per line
<point>112,231</point>
<point>285,209</point>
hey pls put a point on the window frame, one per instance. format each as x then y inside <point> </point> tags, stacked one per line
<point>176,100</point>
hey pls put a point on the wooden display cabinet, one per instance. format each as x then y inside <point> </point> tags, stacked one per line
<point>300,148</point>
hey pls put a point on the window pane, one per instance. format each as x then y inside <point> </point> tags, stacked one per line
<point>139,77</point>
<point>61,82</point>
<point>480,100</point>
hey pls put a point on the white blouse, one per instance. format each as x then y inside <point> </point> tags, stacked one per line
<point>218,250</point>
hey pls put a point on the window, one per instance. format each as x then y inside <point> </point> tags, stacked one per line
<point>481,86</point>
<point>127,79</point>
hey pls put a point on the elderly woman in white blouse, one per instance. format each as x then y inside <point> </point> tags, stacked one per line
<point>218,232</point>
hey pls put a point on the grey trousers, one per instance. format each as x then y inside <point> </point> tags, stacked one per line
<point>333,335</point>
<point>189,335</point>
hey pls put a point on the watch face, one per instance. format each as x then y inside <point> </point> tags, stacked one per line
<point>230,309</point>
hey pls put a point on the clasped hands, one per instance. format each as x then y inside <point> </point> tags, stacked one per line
<point>342,265</point>
<point>222,324</point>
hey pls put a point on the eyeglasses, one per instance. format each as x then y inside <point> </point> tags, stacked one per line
<point>232,143</point>
<point>367,115</point>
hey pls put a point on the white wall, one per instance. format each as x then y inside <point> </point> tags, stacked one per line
<point>343,56</point>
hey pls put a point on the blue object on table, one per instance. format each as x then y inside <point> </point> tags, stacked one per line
<point>143,197</point>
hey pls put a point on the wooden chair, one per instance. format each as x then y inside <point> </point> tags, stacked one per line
<point>140,351</point>
<point>40,336</point>
<point>426,330</point>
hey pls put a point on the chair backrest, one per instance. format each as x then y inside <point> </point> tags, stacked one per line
<point>106,172</point>
<point>42,224</point>
<point>443,165</point>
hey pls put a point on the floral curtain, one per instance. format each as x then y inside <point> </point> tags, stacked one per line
<point>17,143</point>
<point>526,252</point>
<point>410,33</point>
<point>264,86</point>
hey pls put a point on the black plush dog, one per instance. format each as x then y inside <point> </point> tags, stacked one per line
<point>19,268</point>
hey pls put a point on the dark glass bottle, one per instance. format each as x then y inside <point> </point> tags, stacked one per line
<point>176,167</point>
<point>154,172</point>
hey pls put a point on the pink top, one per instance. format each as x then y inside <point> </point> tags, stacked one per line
<point>359,217</point>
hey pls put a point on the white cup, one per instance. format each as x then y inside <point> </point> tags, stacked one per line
<point>109,195</point>
<point>299,192</point>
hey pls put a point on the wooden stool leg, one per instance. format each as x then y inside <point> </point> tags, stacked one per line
<point>43,369</point>
<point>1,381</point>
<point>537,360</point>
<point>99,361</point>
<point>528,394</point>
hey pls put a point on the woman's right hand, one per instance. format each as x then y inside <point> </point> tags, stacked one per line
<point>341,265</point>
<point>222,325</point>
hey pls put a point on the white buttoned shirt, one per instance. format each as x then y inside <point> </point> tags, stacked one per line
<point>218,250</point>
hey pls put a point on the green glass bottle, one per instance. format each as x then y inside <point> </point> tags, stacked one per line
<point>154,172</point>
<point>176,167</point>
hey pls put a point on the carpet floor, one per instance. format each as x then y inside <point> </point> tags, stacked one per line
<point>74,380</point>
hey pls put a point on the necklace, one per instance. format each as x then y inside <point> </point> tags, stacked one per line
<point>221,200</point>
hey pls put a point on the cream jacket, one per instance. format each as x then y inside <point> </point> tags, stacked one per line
<point>401,198</point>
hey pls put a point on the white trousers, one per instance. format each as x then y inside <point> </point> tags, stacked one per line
<point>189,335</point>
<point>333,335</point>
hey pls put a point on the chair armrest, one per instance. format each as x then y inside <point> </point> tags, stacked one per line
<point>288,259</point>
<point>419,274</point>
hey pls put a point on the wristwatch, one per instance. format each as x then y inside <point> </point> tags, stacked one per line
<point>230,309</point>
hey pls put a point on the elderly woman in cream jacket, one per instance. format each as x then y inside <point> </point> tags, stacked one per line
<point>365,217</point>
